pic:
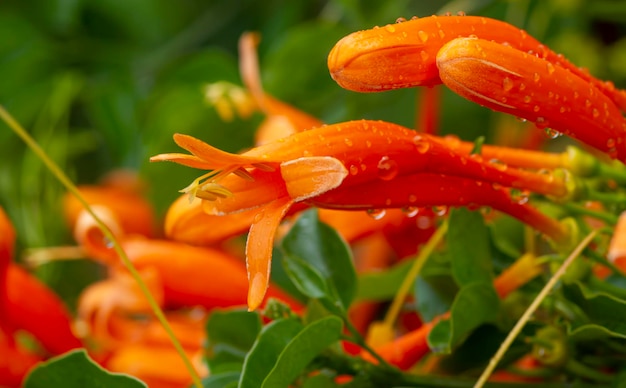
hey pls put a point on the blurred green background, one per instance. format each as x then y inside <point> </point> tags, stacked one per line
<point>103,84</point>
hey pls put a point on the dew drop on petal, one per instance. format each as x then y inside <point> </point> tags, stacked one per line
<point>550,67</point>
<point>422,146</point>
<point>519,196</point>
<point>376,214</point>
<point>536,108</point>
<point>521,119</point>
<point>410,211</point>
<point>536,77</point>
<point>610,143</point>
<point>460,13</point>
<point>400,20</point>
<point>387,168</point>
<point>440,210</point>
<point>587,103</point>
<point>424,55</point>
<point>527,99</point>
<point>442,34</point>
<point>551,133</point>
<point>595,113</point>
<point>507,84</point>
<point>423,36</point>
<point>348,142</point>
<point>541,123</point>
<point>259,216</point>
<point>354,170</point>
<point>412,198</point>
<point>390,28</point>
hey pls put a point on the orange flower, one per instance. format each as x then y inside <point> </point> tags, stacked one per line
<point>404,54</point>
<point>311,164</point>
<point>512,81</point>
<point>506,70</point>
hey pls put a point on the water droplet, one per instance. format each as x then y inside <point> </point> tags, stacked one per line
<point>541,123</point>
<point>498,164</point>
<point>587,103</point>
<point>527,99</point>
<point>551,69</point>
<point>400,20</point>
<point>387,168</point>
<point>442,34</point>
<point>576,95</point>
<point>368,144</point>
<point>562,109</point>
<point>440,210</point>
<point>448,13</point>
<point>422,35</point>
<point>412,198</point>
<point>410,211</point>
<point>424,55</point>
<point>348,142</point>
<point>376,214</point>
<point>595,113</point>
<point>414,17</point>
<point>522,86</point>
<point>390,28</point>
<point>496,186</point>
<point>460,13</point>
<point>536,108</point>
<point>521,119</point>
<point>610,143</point>
<point>422,146</point>
<point>507,84</point>
<point>551,133</point>
<point>536,77</point>
<point>519,196</point>
<point>354,170</point>
<point>259,216</point>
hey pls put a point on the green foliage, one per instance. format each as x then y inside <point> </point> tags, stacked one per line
<point>75,369</point>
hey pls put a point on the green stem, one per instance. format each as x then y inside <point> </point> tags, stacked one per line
<point>409,279</point>
<point>65,181</point>
<point>531,310</point>
<point>610,219</point>
<point>584,371</point>
<point>358,339</point>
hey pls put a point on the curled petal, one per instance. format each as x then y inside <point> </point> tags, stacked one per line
<point>89,236</point>
<point>310,176</point>
<point>133,212</point>
<point>514,82</point>
<point>259,249</point>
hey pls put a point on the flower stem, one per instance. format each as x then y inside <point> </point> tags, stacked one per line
<point>531,310</point>
<point>409,279</point>
<point>65,181</point>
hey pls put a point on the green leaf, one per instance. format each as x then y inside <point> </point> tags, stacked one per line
<point>324,250</point>
<point>265,352</point>
<point>306,278</point>
<point>606,313</point>
<point>434,295</point>
<point>474,305</point>
<point>221,380</point>
<point>468,247</point>
<point>302,349</point>
<point>230,334</point>
<point>76,370</point>
<point>382,285</point>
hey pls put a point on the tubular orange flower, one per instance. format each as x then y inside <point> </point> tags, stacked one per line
<point>274,176</point>
<point>403,54</point>
<point>27,304</point>
<point>512,81</point>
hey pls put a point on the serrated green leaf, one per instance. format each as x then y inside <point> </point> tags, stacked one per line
<point>76,370</point>
<point>468,247</point>
<point>302,349</point>
<point>474,305</point>
<point>265,352</point>
<point>325,251</point>
<point>230,335</point>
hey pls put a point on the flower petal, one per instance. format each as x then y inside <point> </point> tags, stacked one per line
<point>259,249</point>
<point>310,176</point>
